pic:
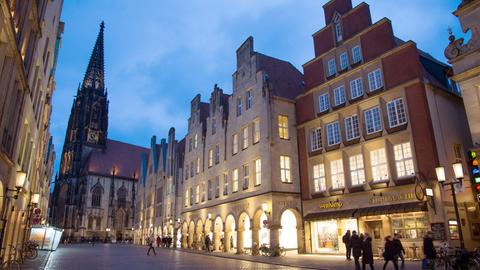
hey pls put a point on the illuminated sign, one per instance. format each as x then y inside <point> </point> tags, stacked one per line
<point>330,205</point>
<point>392,198</point>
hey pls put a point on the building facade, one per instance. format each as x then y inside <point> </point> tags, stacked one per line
<point>241,181</point>
<point>30,39</point>
<point>160,191</point>
<point>95,191</point>
<point>376,118</point>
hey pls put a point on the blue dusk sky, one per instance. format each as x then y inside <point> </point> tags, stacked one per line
<point>159,54</point>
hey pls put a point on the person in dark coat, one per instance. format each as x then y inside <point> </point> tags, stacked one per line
<point>390,252</point>
<point>357,249</point>
<point>367,252</point>
<point>429,248</point>
<point>208,243</point>
<point>399,249</point>
<point>159,240</point>
<point>346,239</point>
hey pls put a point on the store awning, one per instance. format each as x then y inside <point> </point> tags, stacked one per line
<point>331,214</point>
<point>391,209</point>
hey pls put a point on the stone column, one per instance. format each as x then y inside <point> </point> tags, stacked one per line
<point>216,240</point>
<point>274,235</point>
<point>300,239</point>
<point>240,240</point>
<point>255,236</point>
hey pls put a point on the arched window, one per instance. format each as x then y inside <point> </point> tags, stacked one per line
<point>122,197</point>
<point>96,196</point>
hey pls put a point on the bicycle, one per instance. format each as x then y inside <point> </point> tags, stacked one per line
<point>12,263</point>
<point>272,252</point>
<point>30,250</point>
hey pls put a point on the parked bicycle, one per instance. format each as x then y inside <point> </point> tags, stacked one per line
<point>457,259</point>
<point>12,263</point>
<point>30,250</point>
<point>265,250</point>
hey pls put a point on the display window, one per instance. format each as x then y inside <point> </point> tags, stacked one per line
<point>410,225</point>
<point>327,234</point>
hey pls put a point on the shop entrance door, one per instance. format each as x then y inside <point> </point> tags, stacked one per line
<point>375,229</point>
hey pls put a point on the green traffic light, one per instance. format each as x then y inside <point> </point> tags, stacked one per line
<point>472,154</point>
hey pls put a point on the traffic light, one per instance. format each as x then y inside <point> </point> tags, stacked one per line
<point>474,168</point>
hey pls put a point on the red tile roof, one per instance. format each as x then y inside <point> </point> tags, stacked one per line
<point>124,157</point>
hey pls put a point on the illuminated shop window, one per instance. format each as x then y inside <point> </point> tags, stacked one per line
<point>410,225</point>
<point>378,160</point>
<point>403,159</point>
<point>453,229</point>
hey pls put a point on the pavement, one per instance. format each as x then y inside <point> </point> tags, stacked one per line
<point>125,256</point>
<point>37,263</point>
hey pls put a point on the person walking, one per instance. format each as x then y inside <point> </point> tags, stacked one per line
<point>367,252</point>
<point>390,252</point>
<point>150,246</point>
<point>346,239</point>
<point>159,241</point>
<point>356,244</point>
<point>429,249</point>
<point>399,249</point>
<point>208,243</point>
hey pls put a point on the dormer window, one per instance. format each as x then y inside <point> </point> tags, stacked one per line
<point>337,24</point>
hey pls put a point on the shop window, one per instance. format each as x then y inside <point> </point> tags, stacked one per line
<point>326,233</point>
<point>453,229</point>
<point>235,180</point>
<point>316,139</point>
<point>319,184</point>
<point>396,113</point>
<point>373,121</point>
<point>356,88</point>
<point>337,175</point>
<point>258,172</point>
<point>411,225</point>
<point>283,127</point>
<point>245,137</point>
<point>323,103</point>
<point>234,144</point>
<point>378,160</point>
<point>285,169</point>
<point>357,171</point>
<point>333,133</point>
<point>351,127</point>
<point>339,95</point>
<point>403,159</point>
<point>375,81</point>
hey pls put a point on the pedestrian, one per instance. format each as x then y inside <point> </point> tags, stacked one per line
<point>390,252</point>
<point>169,241</point>
<point>429,250</point>
<point>159,240</point>
<point>367,252</point>
<point>208,243</point>
<point>150,246</point>
<point>231,242</point>
<point>362,237</point>
<point>346,239</point>
<point>356,245</point>
<point>399,249</point>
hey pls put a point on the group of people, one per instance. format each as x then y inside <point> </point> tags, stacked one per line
<point>165,241</point>
<point>361,246</point>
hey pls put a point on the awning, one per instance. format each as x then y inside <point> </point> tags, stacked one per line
<point>391,209</point>
<point>331,214</point>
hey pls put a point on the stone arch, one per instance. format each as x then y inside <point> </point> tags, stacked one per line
<point>230,234</point>
<point>190,233</point>
<point>184,230</point>
<point>218,234</point>
<point>261,228</point>
<point>291,230</point>
<point>244,232</point>
<point>199,235</point>
<point>209,228</point>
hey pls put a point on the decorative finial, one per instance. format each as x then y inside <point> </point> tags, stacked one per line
<point>102,25</point>
<point>451,37</point>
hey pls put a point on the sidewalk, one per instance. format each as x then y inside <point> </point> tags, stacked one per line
<point>307,261</point>
<point>39,262</point>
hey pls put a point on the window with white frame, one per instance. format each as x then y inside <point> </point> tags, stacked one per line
<point>319,183</point>
<point>285,169</point>
<point>378,160</point>
<point>352,130</point>
<point>239,106</point>
<point>234,144</point>
<point>336,173</point>
<point>323,102</point>
<point>210,157</point>
<point>356,88</point>
<point>338,30</point>
<point>258,171</point>
<point>197,194</point>
<point>333,133</point>
<point>245,137</point>
<point>245,176</point>
<point>339,95</point>
<point>217,186</point>
<point>235,180</point>
<point>356,54</point>
<point>217,154</point>
<point>403,159</point>
<point>283,127</point>
<point>373,122</point>
<point>357,171</point>
<point>198,165</point>
<point>256,130</point>
<point>343,60</point>
<point>316,139</point>
<point>396,113</point>
<point>225,183</point>
<point>332,67</point>
<point>248,99</point>
<point>375,81</point>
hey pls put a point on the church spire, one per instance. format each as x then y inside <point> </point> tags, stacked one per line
<point>94,76</point>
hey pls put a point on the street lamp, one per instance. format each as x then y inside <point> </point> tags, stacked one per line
<point>35,199</point>
<point>458,170</point>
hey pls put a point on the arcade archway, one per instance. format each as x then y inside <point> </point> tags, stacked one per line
<point>230,234</point>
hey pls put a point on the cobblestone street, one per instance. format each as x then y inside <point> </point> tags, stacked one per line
<point>109,256</point>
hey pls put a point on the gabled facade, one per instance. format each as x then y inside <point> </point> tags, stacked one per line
<point>377,117</point>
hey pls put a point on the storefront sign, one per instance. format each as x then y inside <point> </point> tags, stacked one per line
<point>392,198</point>
<point>330,205</point>
<point>438,231</point>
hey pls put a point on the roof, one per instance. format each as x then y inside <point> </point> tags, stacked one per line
<point>123,157</point>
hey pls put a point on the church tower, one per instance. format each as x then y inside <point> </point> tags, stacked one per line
<point>88,122</point>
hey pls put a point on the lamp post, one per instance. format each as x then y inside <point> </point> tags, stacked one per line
<point>458,170</point>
